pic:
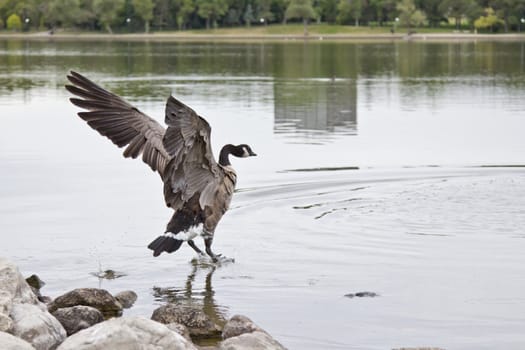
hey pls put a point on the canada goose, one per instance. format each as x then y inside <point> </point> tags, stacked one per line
<point>196,187</point>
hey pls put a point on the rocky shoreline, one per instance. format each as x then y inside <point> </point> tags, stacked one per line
<point>91,319</point>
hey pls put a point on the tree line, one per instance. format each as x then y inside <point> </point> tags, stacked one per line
<point>142,15</point>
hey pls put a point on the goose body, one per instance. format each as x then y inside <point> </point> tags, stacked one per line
<point>197,187</point>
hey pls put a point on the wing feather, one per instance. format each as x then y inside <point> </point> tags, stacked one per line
<point>187,140</point>
<point>119,121</point>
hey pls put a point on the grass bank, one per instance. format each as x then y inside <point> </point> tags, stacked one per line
<point>280,32</point>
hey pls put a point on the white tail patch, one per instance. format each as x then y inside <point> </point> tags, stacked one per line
<point>183,236</point>
<point>188,235</point>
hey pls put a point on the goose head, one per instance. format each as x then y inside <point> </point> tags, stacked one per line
<point>240,151</point>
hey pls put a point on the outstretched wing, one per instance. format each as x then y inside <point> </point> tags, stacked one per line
<point>194,169</point>
<point>119,121</point>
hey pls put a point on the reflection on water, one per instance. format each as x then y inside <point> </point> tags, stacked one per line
<point>195,293</point>
<point>315,109</point>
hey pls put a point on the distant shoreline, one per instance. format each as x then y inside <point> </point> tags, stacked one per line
<point>183,36</point>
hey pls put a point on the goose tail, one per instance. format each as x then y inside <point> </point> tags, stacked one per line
<point>165,243</point>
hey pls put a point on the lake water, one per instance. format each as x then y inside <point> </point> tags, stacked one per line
<point>392,168</point>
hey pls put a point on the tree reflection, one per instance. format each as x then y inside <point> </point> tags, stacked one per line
<point>326,105</point>
<point>189,294</point>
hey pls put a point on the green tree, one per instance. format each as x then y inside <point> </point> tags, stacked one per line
<point>28,12</point>
<point>328,10</point>
<point>278,8</point>
<point>490,20</point>
<point>61,13</point>
<point>264,10</point>
<point>456,9</point>
<point>509,10</point>
<point>433,11</point>
<point>185,10</point>
<point>409,15</point>
<point>349,10</point>
<point>107,12</point>
<point>163,13</point>
<point>248,15</point>
<point>144,9</point>
<point>383,10</point>
<point>85,14</point>
<point>211,10</point>
<point>14,22</point>
<point>301,9</point>
<point>232,17</point>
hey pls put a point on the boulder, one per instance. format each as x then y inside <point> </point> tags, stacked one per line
<point>126,298</point>
<point>36,326</point>
<point>127,333</point>
<point>6,323</point>
<point>22,314</point>
<point>240,333</point>
<point>100,299</point>
<point>10,342</point>
<point>35,282</point>
<point>13,288</point>
<point>238,325</point>
<point>77,318</point>
<point>181,329</point>
<point>199,324</point>
<point>251,341</point>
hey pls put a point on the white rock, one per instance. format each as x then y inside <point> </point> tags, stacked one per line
<point>37,327</point>
<point>127,333</point>
<point>10,342</point>
<point>251,341</point>
<point>22,314</point>
<point>240,333</point>
<point>6,323</point>
<point>13,288</point>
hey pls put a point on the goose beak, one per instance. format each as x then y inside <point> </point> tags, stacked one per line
<point>253,154</point>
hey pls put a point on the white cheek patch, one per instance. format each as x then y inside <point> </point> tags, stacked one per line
<point>245,153</point>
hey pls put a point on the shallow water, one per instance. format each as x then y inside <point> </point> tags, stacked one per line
<point>379,170</point>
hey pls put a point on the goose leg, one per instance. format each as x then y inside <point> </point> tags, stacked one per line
<point>194,246</point>
<point>207,243</point>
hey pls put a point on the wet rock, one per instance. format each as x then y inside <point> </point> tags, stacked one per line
<point>45,299</point>
<point>240,333</point>
<point>108,274</point>
<point>180,329</point>
<point>251,341</point>
<point>36,326</point>
<point>10,342</point>
<point>77,318</point>
<point>362,295</point>
<point>238,325</point>
<point>100,299</point>
<point>126,298</point>
<point>127,333</point>
<point>35,282</point>
<point>198,323</point>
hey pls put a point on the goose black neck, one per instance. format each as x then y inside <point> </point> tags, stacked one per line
<point>224,160</point>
